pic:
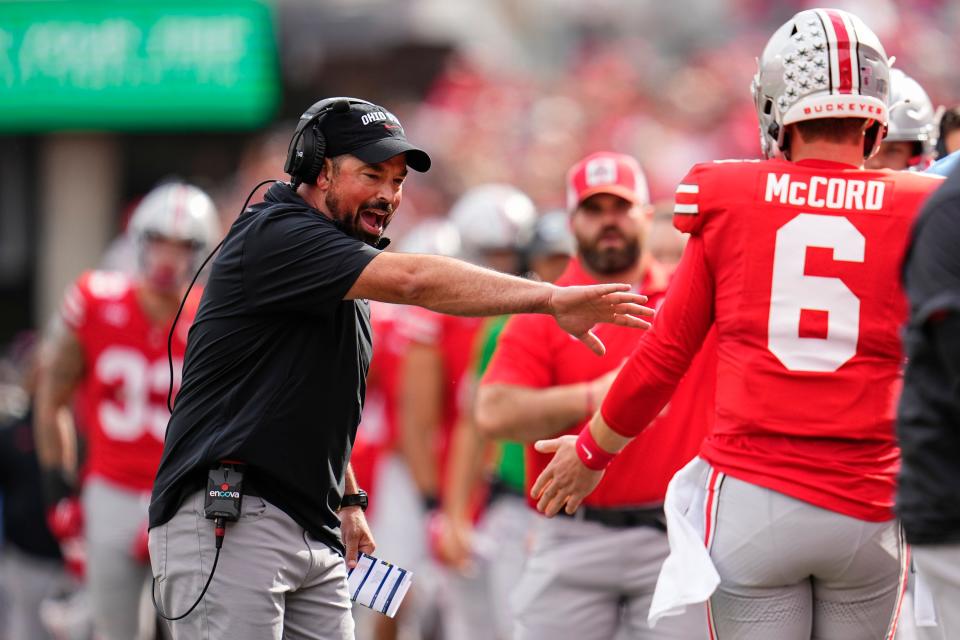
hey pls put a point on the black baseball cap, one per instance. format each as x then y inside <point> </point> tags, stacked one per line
<point>371,133</point>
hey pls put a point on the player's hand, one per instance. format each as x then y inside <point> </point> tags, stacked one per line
<point>451,541</point>
<point>65,521</point>
<point>356,534</point>
<point>566,481</point>
<point>578,309</point>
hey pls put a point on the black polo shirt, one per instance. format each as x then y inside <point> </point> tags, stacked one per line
<point>928,421</point>
<point>275,368</point>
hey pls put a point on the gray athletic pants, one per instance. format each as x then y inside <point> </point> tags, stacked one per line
<point>940,567</point>
<point>273,581</point>
<point>27,581</point>
<point>479,606</point>
<point>587,581</point>
<point>792,571</point>
<point>113,518</point>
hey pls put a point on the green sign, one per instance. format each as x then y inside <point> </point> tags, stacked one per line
<point>136,65</point>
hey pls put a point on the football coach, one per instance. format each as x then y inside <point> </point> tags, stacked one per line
<point>254,497</point>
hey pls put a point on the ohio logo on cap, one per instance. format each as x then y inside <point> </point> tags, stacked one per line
<point>606,172</point>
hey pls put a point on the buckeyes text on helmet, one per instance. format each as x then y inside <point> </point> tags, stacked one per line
<point>823,63</point>
<point>493,217</point>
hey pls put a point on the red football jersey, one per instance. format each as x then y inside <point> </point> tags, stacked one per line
<point>534,352</point>
<point>454,337</point>
<point>377,432</point>
<point>797,264</point>
<point>122,397</point>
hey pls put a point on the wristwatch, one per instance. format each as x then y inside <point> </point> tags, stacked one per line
<point>358,499</point>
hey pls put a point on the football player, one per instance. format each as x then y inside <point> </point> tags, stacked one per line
<point>109,358</point>
<point>911,138</point>
<point>494,222</point>
<point>784,521</point>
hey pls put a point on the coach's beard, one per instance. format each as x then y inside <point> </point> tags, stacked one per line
<point>373,213</point>
<point>611,260</point>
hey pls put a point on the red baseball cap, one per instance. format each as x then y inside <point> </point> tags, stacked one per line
<point>606,172</point>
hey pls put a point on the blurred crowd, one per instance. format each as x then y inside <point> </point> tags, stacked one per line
<point>502,138</point>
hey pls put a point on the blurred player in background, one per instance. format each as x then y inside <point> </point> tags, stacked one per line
<point>494,223</point>
<point>911,138</point>
<point>591,577</point>
<point>552,247</point>
<point>396,510</point>
<point>795,261</point>
<point>948,136</point>
<point>110,349</point>
<point>494,550</point>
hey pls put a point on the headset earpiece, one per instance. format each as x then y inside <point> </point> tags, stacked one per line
<point>312,163</point>
<point>307,147</point>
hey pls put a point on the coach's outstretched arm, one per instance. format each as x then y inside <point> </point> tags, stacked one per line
<point>455,287</point>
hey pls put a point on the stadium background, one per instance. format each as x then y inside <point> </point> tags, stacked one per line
<point>505,90</point>
<point>101,99</point>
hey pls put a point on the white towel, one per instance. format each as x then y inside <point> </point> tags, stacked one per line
<point>924,610</point>
<point>688,575</point>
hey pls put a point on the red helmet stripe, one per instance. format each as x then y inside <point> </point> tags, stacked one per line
<point>845,40</point>
<point>179,211</point>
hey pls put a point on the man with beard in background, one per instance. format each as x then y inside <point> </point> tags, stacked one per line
<point>592,576</point>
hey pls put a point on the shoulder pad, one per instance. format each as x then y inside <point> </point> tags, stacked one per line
<point>736,161</point>
<point>105,285</point>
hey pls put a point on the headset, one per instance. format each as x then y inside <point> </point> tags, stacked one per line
<point>308,145</point>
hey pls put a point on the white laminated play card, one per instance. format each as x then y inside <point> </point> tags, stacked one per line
<point>378,584</point>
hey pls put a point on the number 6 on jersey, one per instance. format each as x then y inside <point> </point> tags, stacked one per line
<point>792,292</point>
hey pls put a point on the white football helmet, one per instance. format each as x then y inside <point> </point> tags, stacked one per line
<point>434,236</point>
<point>177,211</point>
<point>823,63</point>
<point>493,217</point>
<point>912,116</point>
<point>552,235</point>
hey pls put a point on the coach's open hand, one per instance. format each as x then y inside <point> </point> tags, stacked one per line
<point>565,481</point>
<point>578,309</point>
<point>356,534</point>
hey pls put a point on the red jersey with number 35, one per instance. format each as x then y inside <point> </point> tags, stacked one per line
<point>798,265</point>
<point>123,394</point>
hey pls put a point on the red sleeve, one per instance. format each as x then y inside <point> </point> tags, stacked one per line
<point>523,355</point>
<point>687,214</point>
<point>652,372</point>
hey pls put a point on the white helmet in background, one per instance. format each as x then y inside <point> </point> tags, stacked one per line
<point>823,63</point>
<point>435,236</point>
<point>912,116</point>
<point>177,211</point>
<point>493,217</point>
<point>552,235</point>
